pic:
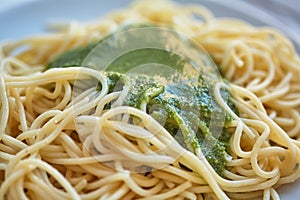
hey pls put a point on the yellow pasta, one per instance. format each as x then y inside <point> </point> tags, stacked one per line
<point>57,146</point>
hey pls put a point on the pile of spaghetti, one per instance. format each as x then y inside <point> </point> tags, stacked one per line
<point>91,146</point>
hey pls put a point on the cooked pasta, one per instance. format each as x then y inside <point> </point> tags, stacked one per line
<point>56,144</point>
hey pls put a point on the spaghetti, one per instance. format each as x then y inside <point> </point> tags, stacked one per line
<point>55,146</point>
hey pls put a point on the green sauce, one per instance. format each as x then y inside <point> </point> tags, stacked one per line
<point>182,104</point>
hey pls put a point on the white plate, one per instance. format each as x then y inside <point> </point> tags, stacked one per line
<point>30,17</point>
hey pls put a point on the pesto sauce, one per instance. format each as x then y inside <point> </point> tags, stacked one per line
<point>144,56</point>
<point>73,57</point>
<point>186,110</point>
<point>183,105</point>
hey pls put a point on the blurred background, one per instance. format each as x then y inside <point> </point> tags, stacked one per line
<point>285,11</point>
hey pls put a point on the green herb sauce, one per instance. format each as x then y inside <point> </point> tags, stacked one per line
<point>182,104</point>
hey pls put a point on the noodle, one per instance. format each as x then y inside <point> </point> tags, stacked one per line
<point>55,144</point>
